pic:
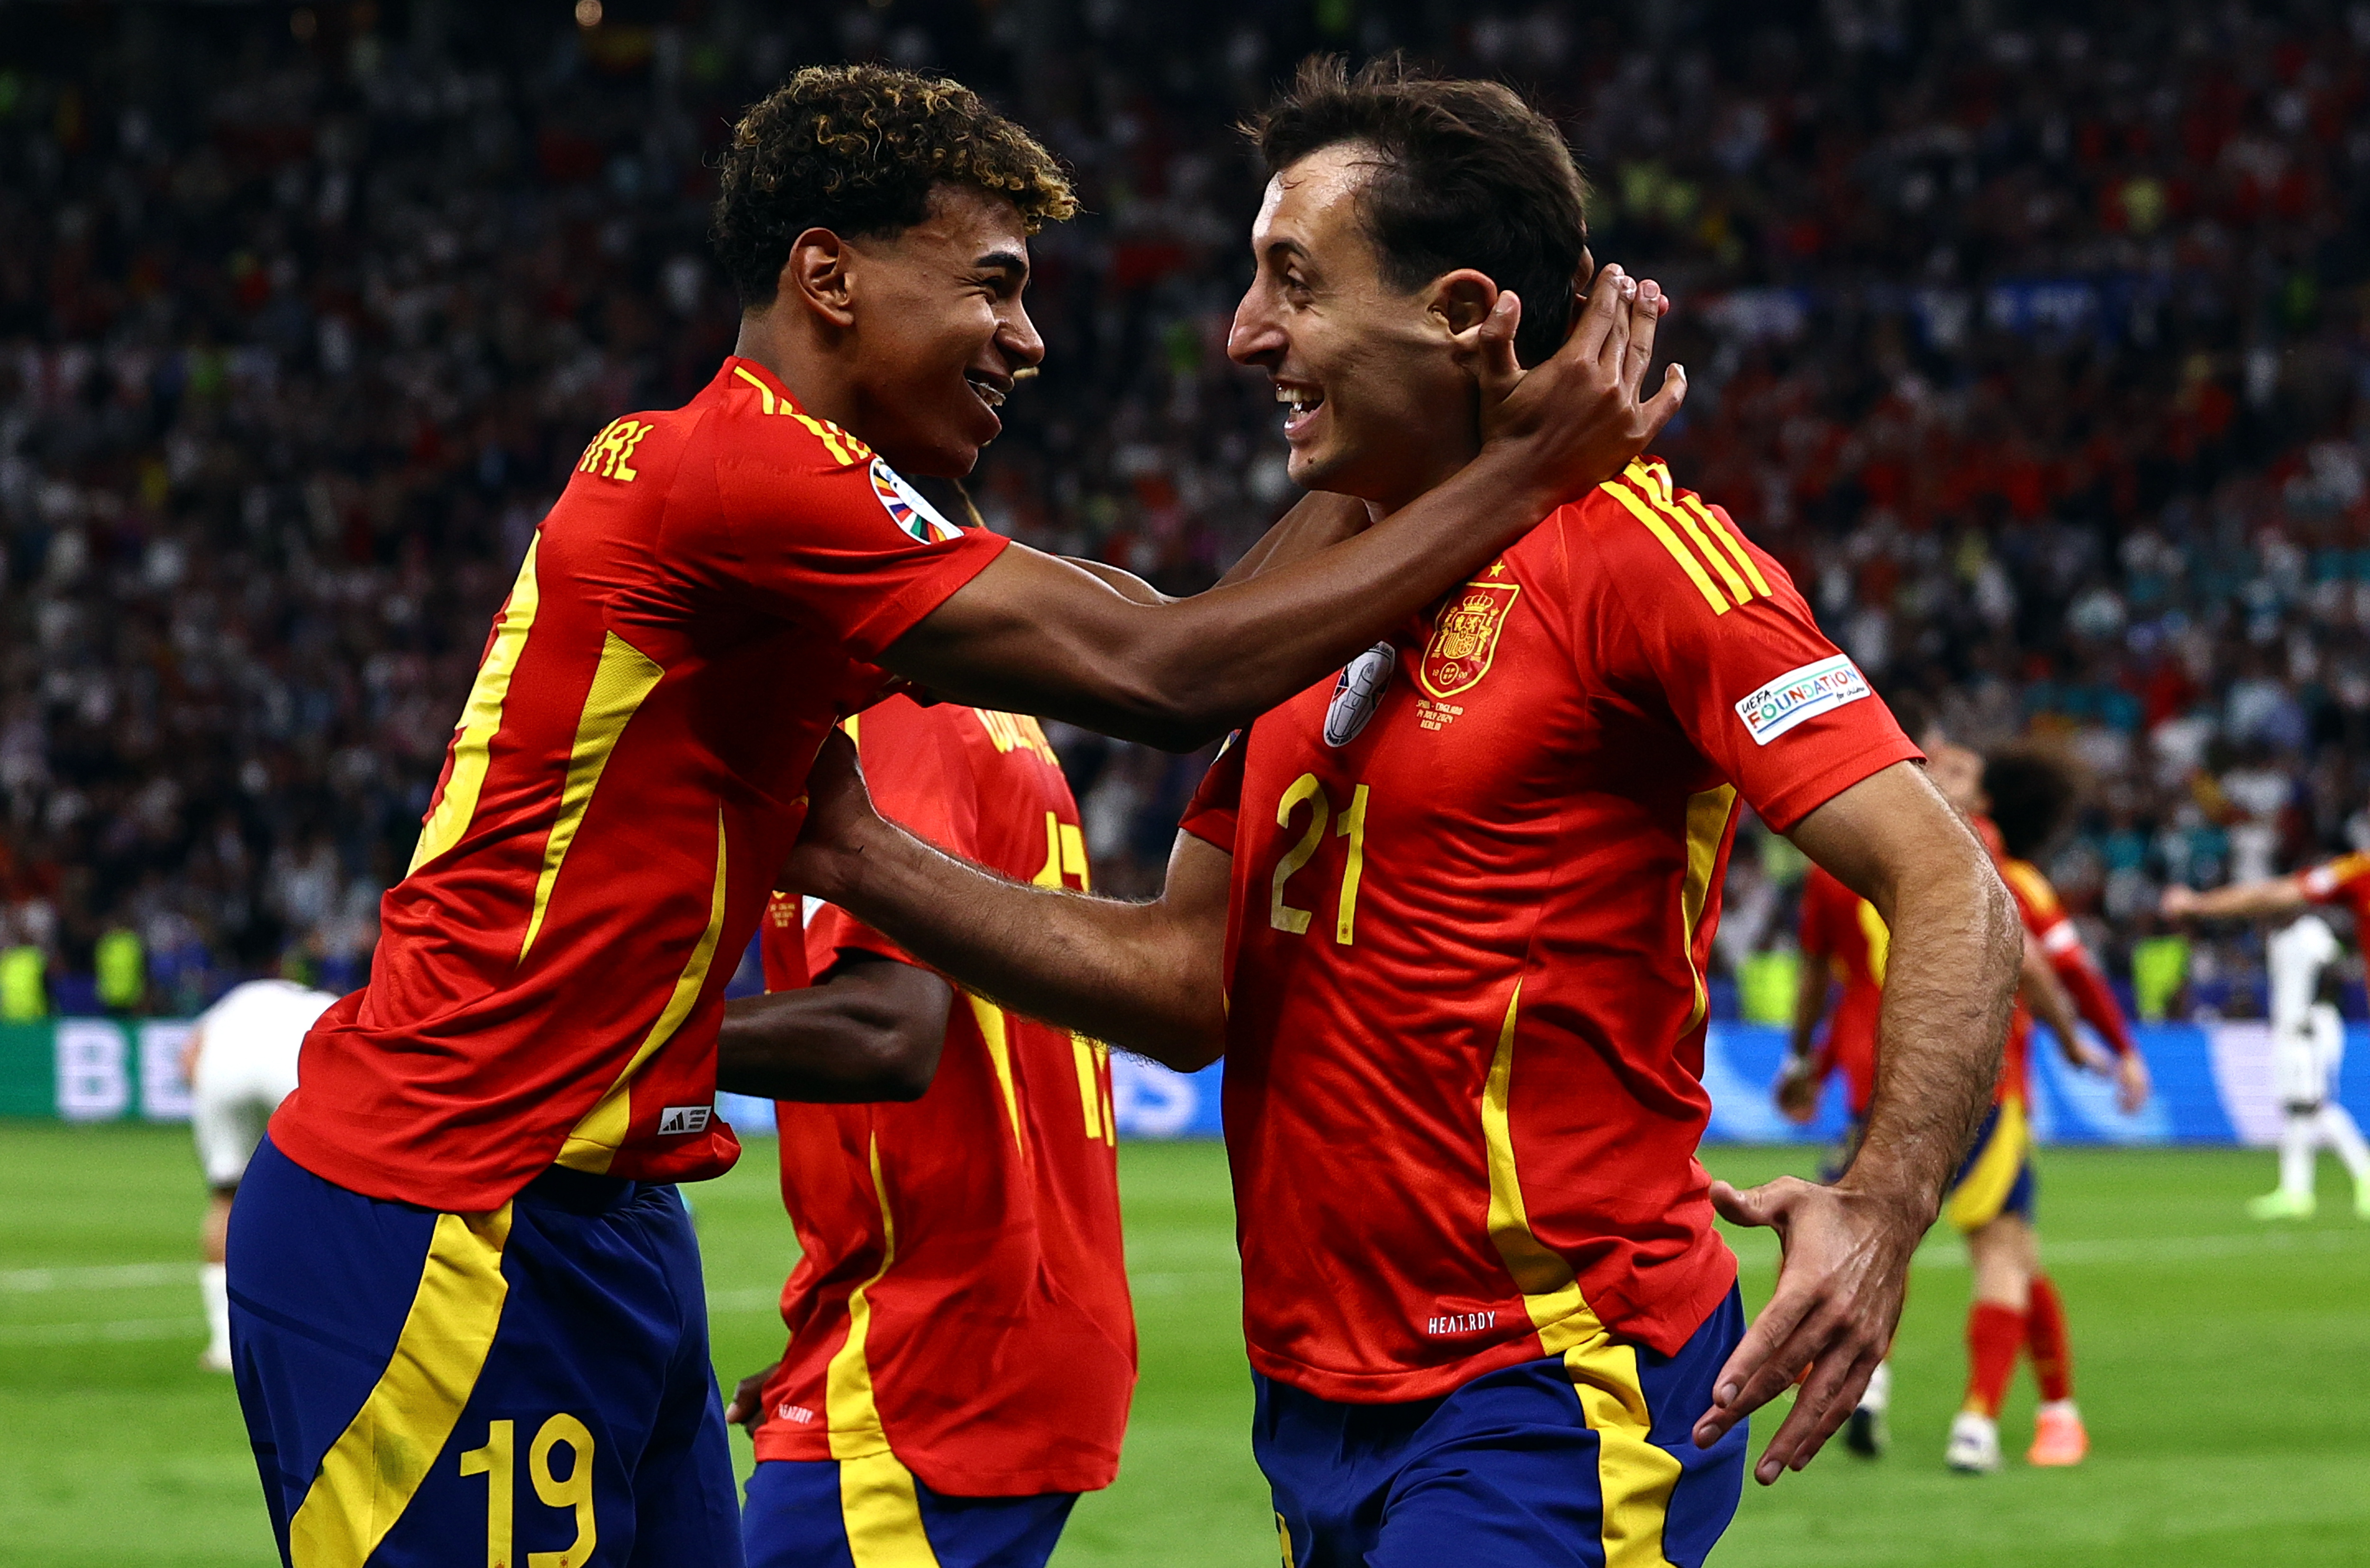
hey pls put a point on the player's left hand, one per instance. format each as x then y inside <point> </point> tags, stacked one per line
<point>1842,1274</point>
<point>746,1408</point>
<point>2131,1083</point>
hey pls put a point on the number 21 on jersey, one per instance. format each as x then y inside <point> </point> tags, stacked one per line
<point>1351,825</point>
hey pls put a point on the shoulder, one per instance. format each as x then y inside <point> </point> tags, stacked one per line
<point>1653,541</point>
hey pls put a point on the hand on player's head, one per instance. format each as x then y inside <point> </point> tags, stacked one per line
<point>1579,415</point>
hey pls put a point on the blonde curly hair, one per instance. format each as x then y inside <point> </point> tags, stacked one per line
<point>858,149</point>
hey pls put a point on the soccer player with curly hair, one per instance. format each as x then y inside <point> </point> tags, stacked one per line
<point>466,1312</point>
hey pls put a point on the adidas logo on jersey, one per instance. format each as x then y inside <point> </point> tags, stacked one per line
<point>676,1120</point>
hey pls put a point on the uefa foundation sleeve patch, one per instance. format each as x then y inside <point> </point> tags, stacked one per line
<point>1800,694</point>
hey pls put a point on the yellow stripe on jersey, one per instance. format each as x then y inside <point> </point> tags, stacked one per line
<point>1644,511</point>
<point>2027,879</point>
<point>1728,574</point>
<point>1707,815</point>
<point>1717,522</point>
<point>594,1142</point>
<point>878,1505</point>
<point>995,1030</point>
<point>372,1472</point>
<point>1090,1094</point>
<point>481,716</point>
<point>1550,1293</point>
<point>1635,1477</point>
<point>765,392</point>
<point>838,442</point>
<point>625,677</point>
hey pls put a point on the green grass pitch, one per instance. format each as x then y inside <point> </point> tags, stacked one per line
<point>2224,1368</point>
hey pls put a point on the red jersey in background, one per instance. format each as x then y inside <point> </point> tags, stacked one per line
<point>963,1302</point>
<point>1474,887</point>
<point>1844,930</point>
<point>625,781</point>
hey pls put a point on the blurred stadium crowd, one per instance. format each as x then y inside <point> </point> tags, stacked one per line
<point>2032,338</point>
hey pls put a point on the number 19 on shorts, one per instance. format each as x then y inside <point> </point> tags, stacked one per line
<point>497,1462</point>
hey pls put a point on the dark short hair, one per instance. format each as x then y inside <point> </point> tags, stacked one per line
<point>858,149</point>
<point>1468,174</point>
<point>2031,793</point>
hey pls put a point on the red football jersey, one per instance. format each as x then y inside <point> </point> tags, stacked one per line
<point>625,781</point>
<point>1475,884</point>
<point>963,1302</point>
<point>1844,929</point>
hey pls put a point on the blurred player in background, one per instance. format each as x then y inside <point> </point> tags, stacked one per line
<point>460,1251</point>
<point>240,1063</point>
<point>961,1347</point>
<point>1446,915</point>
<point>2308,1033</point>
<point>2018,803</point>
<point>1844,944</point>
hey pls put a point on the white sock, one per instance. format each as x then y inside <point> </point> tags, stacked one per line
<point>2336,1128</point>
<point>2296,1140</point>
<point>214,1283</point>
<point>1880,1388</point>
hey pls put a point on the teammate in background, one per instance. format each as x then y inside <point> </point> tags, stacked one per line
<point>460,1251</point>
<point>1844,945</point>
<point>240,1063</point>
<point>962,1349</point>
<point>1445,915</point>
<point>2307,1034</point>
<point>2016,803</point>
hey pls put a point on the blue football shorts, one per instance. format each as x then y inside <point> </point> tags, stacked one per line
<point>526,1386</point>
<point>1583,1458</point>
<point>816,1514</point>
<point>1996,1177</point>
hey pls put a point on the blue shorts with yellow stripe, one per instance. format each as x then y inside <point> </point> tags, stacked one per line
<point>527,1386</point>
<point>1996,1177</point>
<point>1581,1460</point>
<point>824,1514</point>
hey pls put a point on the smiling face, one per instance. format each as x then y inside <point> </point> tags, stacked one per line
<point>1375,405</point>
<point>939,331</point>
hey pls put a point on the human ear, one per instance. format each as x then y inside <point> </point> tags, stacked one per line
<point>1461,300</point>
<point>816,275</point>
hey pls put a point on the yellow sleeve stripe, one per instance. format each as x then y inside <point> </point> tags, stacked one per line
<point>1717,521</point>
<point>1670,542</point>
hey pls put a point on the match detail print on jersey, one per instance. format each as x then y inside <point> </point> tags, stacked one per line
<point>1800,694</point>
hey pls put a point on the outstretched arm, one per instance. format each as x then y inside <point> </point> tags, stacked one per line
<point>1145,978</point>
<point>1031,633</point>
<point>2242,900</point>
<point>870,1029</point>
<point>1892,839</point>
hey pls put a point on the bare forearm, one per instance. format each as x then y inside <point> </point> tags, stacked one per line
<point>1121,972</point>
<point>2250,900</point>
<point>866,1031</point>
<point>1179,674</point>
<point>2037,983</point>
<point>1950,981</point>
<point>1809,1003</point>
<point>1316,521</point>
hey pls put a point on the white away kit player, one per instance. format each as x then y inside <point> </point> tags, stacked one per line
<point>241,1062</point>
<point>2308,1047</point>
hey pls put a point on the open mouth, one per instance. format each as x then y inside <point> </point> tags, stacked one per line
<point>988,389</point>
<point>1300,406</point>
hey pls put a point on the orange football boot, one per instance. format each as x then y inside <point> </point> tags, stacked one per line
<point>2058,1438</point>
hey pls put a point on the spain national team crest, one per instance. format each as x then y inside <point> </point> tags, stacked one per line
<point>1465,637</point>
<point>906,508</point>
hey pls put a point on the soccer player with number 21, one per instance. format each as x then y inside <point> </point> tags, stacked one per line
<point>1446,915</point>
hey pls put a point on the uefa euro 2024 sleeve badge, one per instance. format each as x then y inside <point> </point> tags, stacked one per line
<point>1358,693</point>
<point>1465,637</point>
